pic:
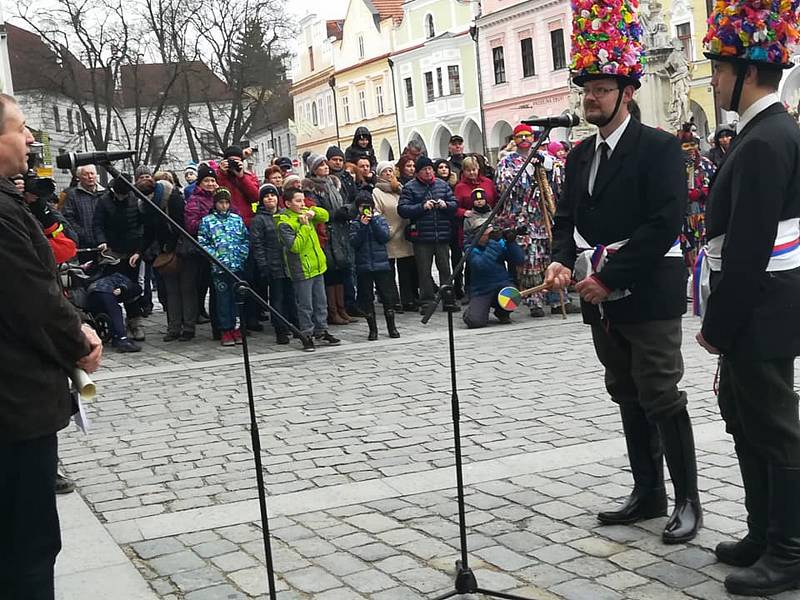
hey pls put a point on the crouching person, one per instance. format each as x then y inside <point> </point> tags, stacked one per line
<point>489,263</point>
<point>369,233</point>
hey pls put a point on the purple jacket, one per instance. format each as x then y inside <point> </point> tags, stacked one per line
<point>198,206</point>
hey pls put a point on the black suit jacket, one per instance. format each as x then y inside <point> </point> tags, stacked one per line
<point>751,312</point>
<point>640,196</point>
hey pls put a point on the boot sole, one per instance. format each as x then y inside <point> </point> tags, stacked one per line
<point>748,591</point>
<point>631,520</point>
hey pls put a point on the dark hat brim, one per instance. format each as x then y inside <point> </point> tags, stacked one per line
<point>580,80</point>
<point>747,61</point>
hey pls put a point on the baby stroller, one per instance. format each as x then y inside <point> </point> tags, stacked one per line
<point>94,270</point>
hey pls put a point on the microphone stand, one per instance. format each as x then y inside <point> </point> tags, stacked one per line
<point>465,581</point>
<point>243,291</point>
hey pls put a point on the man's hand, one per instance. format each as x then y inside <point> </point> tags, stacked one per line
<point>591,290</point>
<point>557,277</point>
<point>303,218</point>
<point>429,204</point>
<point>91,362</point>
<point>708,347</point>
<point>133,259</point>
<point>441,203</point>
<point>365,219</point>
<point>467,214</point>
<point>223,165</point>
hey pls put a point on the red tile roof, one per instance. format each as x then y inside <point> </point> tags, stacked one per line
<point>389,8</point>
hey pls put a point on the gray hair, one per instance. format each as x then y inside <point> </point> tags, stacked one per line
<point>4,100</point>
<point>79,171</point>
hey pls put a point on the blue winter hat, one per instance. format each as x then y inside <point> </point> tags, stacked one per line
<point>191,166</point>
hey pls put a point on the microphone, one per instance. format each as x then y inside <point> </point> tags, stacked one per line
<point>565,119</point>
<point>71,160</point>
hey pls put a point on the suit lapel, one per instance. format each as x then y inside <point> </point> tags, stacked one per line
<point>617,159</point>
<point>584,166</point>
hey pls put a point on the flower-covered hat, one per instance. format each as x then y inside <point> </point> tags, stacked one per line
<point>606,41</point>
<point>754,31</point>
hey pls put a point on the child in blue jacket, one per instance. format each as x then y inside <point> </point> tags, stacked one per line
<point>223,235</point>
<point>369,233</point>
<point>489,263</point>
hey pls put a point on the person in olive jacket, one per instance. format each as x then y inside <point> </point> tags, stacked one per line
<point>430,205</point>
<point>43,341</point>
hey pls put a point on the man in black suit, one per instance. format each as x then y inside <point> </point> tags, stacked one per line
<point>752,315</point>
<point>617,225</point>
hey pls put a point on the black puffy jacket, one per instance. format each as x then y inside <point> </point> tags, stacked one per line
<point>435,225</point>
<point>265,245</point>
<point>119,223</point>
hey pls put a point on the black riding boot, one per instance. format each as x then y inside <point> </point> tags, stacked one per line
<point>748,550</point>
<point>778,569</point>
<point>648,499</point>
<point>687,518</point>
<point>390,325</point>
<point>373,327</point>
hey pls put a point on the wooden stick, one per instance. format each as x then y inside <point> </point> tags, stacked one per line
<point>533,290</point>
<point>563,305</point>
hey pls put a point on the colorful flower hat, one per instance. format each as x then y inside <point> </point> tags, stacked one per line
<point>762,32</point>
<point>606,41</point>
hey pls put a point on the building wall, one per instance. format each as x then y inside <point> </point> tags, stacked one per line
<point>695,15</point>
<point>271,143</point>
<point>450,111</point>
<point>363,80</point>
<point>544,93</point>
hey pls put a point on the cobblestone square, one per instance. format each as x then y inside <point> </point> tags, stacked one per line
<point>358,463</point>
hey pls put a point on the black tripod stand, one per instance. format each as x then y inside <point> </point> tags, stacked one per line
<point>465,582</point>
<point>243,291</point>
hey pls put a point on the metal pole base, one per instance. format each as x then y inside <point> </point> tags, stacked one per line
<point>467,584</point>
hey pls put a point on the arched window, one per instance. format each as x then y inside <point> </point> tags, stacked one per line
<point>314,114</point>
<point>361,46</point>
<point>430,30</point>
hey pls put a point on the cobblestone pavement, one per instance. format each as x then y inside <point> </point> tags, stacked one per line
<point>358,460</point>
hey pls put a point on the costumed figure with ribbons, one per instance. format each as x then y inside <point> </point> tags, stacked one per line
<point>530,209</point>
<point>749,284</point>
<point>617,233</point>
<point>699,172</point>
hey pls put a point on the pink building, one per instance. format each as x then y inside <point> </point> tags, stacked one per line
<point>524,48</point>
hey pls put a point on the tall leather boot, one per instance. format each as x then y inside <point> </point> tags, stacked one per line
<point>778,569</point>
<point>648,499</point>
<point>373,327</point>
<point>687,517</point>
<point>333,313</point>
<point>755,477</point>
<point>340,308</point>
<point>388,313</point>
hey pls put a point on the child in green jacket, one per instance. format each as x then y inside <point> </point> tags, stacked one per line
<point>305,262</point>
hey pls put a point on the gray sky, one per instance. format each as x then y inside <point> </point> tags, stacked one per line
<point>325,8</point>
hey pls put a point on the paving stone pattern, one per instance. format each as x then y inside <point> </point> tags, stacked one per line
<point>540,539</point>
<point>170,433</point>
<point>178,440</point>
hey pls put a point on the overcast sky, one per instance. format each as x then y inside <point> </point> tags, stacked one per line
<point>324,8</point>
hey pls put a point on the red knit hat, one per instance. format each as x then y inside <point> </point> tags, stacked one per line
<point>522,128</point>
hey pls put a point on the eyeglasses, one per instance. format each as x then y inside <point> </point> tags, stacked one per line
<point>599,92</point>
<point>522,136</point>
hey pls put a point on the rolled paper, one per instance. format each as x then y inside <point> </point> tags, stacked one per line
<point>509,298</point>
<point>83,384</point>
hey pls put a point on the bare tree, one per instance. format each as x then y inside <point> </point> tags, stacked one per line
<point>244,43</point>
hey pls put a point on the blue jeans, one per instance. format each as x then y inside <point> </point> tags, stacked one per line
<point>225,305</point>
<point>312,305</point>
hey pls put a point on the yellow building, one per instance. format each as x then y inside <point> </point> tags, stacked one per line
<point>686,21</point>
<point>363,78</point>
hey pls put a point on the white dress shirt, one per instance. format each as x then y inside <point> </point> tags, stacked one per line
<point>755,108</point>
<point>612,141</point>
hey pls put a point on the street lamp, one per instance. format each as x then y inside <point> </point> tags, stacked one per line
<point>332,84</point>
